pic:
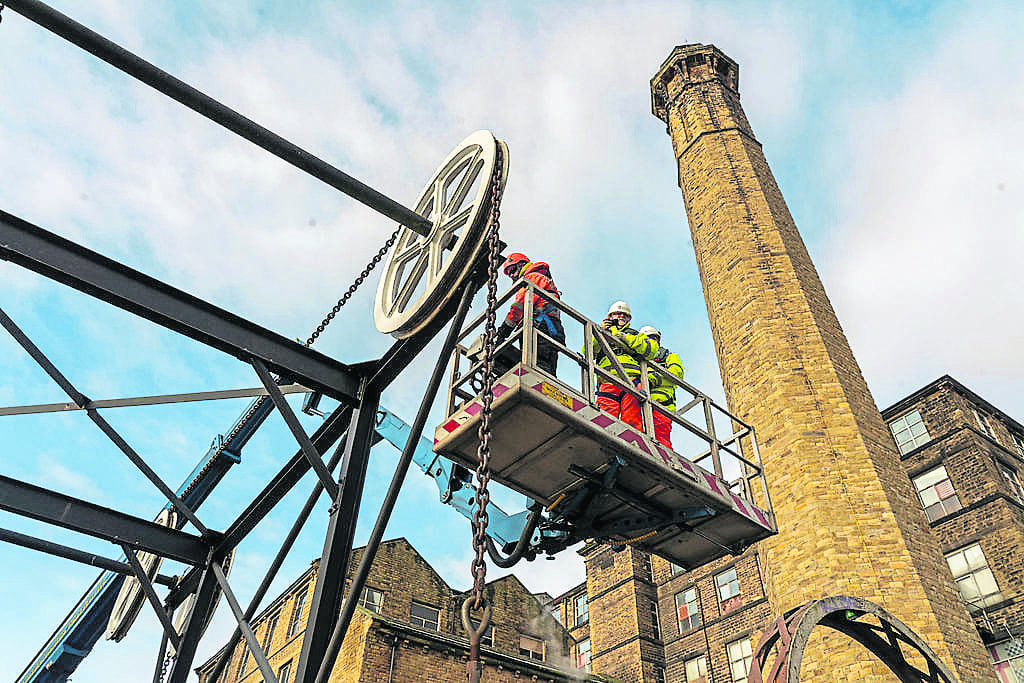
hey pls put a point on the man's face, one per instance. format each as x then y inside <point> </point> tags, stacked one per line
<point>620,319</point>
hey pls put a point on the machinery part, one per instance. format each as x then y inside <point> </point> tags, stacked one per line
<point>184,611</point>
<point>478,567</point>
<point>129,600</point>
<point>791,632</point>
<point>423,273</point>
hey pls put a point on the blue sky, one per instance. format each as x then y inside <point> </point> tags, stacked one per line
<point>892,129</point>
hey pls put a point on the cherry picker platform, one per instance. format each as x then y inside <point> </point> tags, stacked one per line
<point>596,476</point>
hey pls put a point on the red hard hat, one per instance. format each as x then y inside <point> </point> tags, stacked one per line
<point>515,259</point>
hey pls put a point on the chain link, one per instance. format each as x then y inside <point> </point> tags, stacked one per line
<point>483,454</point>
<point>163,667</point>
<point>478,600</point>
<point>316,332</point>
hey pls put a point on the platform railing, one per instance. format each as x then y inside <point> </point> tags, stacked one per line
<point>716,440</point>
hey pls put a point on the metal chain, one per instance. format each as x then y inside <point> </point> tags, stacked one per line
<point>477,600</point>
<point>163,667</point>
<point>483,453</point>
<point>353,287</point>
<point>318,331</point>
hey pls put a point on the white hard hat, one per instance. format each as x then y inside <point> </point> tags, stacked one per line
<point>650,331</point>
<point>620,307</point>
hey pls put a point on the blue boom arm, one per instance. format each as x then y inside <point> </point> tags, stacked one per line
<point>82,627</point>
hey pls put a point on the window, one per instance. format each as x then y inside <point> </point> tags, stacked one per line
<point>983,423</point>
<point>649,567</point>
<point>296,618</point>
<point>285,672</point>
<point>696,669</point>
<point>1018,443</point>
<point>1014,480</point>
<point>676,569</point>
<point>556,612</point>
<point>583,655</point>
<point>532,647</point>
<point>655,620</point>
<point>937,494</point>
<point>487,638</point>
<point>687,610</point>
<point>973,577</point>
<point>268,635</point>
<point>909,431</point>
<point>425,616</point>
<point>659,674</point>
<point>728,585</point>
<point>243,663</point>
<point>371,599</point>
<point>581,608</point>
<point>740,656</point>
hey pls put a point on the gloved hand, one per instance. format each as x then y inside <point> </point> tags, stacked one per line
<point>504,330</point>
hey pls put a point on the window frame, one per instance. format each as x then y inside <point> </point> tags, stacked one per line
<point>586,666</point>
<point>528,653</point>
<point>1013,478</point>
<point>943,506</point>
<point>719,586</point>
<point>363,602</point>
<point>745,658</point>
<point>577,601</point>
<point>268,634</point>
<point>701,664</point>
<point>414,617</point>
<point>287,669</point>
<point>903,425</point>
<point>656,619</point>
<point>985,599</point>
<point>983,424</point>
<point>696,617</point>
<point>1018,443</point>
<point>297,606</point>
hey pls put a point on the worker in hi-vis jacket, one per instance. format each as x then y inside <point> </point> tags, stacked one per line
<point>663,389</point>
<point>632,346</point>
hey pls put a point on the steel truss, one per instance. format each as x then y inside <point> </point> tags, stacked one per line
<point>889,641</point>
<point>357,388</point>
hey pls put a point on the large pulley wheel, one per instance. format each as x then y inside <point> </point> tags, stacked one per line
<point>131,597</point>
<point>423,273</point>
<point>184,611</point>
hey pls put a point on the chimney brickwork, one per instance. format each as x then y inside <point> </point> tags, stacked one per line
<point>849,520</point>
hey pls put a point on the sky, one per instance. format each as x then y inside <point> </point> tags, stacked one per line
<point>893,130</point>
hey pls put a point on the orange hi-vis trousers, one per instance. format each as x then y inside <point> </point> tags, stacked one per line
<point>619,403</point>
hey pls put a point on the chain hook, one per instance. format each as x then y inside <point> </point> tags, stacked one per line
<point>474,667</point>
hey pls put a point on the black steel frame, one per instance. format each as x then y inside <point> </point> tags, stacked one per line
<point>357,388</point>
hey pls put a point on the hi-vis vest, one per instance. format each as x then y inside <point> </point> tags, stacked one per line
<point>663,390</point>
<point>637,346</point>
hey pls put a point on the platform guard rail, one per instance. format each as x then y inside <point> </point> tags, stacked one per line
<point>716,440</point>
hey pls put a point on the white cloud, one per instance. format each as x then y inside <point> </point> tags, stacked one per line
<point>924,259</point>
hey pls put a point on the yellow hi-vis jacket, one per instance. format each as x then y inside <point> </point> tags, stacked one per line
<point>638,345</point>
<point>663,390</point>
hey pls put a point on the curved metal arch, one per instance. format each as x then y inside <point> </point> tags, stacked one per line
<point>841,612</point>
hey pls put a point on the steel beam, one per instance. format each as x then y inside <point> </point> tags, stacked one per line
<point>391,497</point>
<point>186,653</point>
<point>275,566</point>
<point>147,400</point>
<point>160,80</point>
<point>94,520</point>
<point>75,555</point>
<point>62,260</point>
<point>154,601</point>
<point>323,438</point>
<point>341,529</point>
